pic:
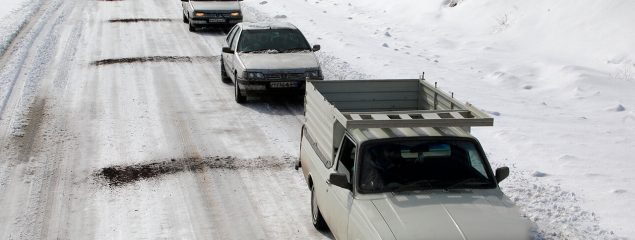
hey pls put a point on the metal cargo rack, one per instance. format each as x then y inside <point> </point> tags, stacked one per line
<point>332,107</point>
<point>396,104</point>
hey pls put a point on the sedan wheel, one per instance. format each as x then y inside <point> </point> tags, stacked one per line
<point>237,94</point>
<point>223,73</point>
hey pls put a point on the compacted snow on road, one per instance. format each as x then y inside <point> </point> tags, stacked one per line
<point>115,124</point>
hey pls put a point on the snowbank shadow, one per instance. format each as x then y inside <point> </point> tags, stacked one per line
<point>120,175</point>
<point>174,59</point>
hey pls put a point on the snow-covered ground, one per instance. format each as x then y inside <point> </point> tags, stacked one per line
<point>13,16</point>
<point>558,77</point>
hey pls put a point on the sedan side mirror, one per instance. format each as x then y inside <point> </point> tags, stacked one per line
<point>316,48</point>
<point>502,173</point>
<point>340,180</point>
<point>227,50</point>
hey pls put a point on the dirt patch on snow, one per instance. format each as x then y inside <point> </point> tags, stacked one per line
<point>134,20</point>
<point>185,59</point>
<point>120,175</point>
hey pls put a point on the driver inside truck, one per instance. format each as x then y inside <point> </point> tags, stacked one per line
<point>383,166</point>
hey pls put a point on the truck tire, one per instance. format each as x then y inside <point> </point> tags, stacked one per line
<point>223,74</point>
<point>192,28</point>
<point>185,20</point>
<point>239,97</point>
<point>316,215</point>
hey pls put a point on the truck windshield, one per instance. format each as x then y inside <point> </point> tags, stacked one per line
<point>272,41</point>
<point>408,165</point>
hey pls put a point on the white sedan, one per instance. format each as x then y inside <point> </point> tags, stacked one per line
<point>268,58</point>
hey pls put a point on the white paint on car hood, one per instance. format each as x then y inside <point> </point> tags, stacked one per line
<point>279,61</point>
<point>482,215</point>
<point>216,5</point>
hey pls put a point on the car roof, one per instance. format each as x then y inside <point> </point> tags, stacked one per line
<point>266,25</point>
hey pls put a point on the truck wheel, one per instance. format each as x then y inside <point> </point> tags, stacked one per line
<point>239,97</point>
<point>223,73</point>
<point>185,20</point>
<point>316,215</point>
<point>192,28</point>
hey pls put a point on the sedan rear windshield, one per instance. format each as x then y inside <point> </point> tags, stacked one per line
<point>407,165</point>
<point>272,40</point>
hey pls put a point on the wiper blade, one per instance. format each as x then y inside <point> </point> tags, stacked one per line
<point>292,50</point>
<point>262,51</point>
<point>418,185</point>
<point>460,184</point>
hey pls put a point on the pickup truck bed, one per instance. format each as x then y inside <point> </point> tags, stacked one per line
<point>401,103</point>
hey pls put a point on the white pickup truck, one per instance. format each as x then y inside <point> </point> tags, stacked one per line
<point>394,159</point>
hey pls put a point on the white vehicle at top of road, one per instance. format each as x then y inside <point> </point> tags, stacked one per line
<point>268,57</point>
<point>394,159</point>
<point>201,13</point>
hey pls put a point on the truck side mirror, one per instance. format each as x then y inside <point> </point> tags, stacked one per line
<point>316,47</point>
<point>228,50</point>
<point>502,173</point>
<point>340,180</point>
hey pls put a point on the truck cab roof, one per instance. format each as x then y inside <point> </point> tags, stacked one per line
<point>366,134</point>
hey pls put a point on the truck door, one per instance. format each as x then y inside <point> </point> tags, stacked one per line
<point>340,199</point>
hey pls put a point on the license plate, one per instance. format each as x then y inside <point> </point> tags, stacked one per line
<point>217,20</point>
<point>283,84</point>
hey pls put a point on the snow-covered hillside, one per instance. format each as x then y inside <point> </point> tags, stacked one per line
<point>559,77</point>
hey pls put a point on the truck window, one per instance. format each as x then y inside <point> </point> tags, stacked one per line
<point>346,158</point>
<point>404,165</point>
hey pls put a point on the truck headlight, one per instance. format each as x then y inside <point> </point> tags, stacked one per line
<point>199,14</point>
<point>255,75</point>
<point>234,14</point>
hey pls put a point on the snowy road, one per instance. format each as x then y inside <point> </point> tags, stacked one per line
<point>156,116</point>
<point>114,123</point>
